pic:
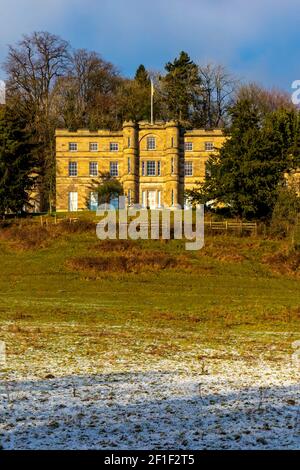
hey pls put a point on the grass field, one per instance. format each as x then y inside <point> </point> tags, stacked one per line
<point>75,317</point>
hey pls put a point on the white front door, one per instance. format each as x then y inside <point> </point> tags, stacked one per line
<point>73,202</point>
<point>152,199</point>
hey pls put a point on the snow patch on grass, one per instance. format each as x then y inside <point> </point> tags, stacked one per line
<point>180,403</point>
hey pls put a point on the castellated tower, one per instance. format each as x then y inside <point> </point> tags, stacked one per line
<point>130,162</point>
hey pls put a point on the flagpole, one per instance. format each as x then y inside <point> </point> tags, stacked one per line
<point>152,94</point>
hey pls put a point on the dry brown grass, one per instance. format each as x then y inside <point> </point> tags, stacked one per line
<point>115,245</point>
<point>80,226</point>
<point>126,262</point>
<point>284,262</point>
<point>222,250</point>
<point>28,235</point>
<point>125,256</point>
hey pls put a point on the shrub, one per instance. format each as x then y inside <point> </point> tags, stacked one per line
<point>285,213</point>
<point>27,236</point>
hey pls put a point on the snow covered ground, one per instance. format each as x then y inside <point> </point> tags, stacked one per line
<point>168,404</point>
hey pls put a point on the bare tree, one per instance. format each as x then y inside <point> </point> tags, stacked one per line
<point>33,67</point>
<point>88,93</point>
<point>266,100</point>
<point>218,87</point>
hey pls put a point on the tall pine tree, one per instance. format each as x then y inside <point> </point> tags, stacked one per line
<point>142,76</point>
<point>181,86</point>
<point>17,163</point>
<point>134,99</point>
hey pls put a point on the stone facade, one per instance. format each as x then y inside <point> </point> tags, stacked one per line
<point>155,163</point>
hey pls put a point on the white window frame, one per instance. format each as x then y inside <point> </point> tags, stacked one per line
<point>95,165</point>
<point>209,146</point>
<point>151,143</point>
<point>151,168</point>
<point>113,146</point>
<point>188,168</point>
<point>94,147</point>
<point>73,147</point>
<point>114,169</point>
<point>188,146</point>
<point>73,169</point>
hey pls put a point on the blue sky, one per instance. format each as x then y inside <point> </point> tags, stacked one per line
<point>256,40</point>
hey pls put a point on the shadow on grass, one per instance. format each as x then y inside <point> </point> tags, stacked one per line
<point>147,410</point>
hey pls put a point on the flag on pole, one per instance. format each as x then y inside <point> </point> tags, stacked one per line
<point>152,95</point>
<point>2,92</point>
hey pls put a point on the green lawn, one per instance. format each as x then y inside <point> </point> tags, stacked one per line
<point>225,296</point>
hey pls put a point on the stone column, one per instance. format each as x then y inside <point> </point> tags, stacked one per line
<point>172,164</point>
<point>130,177</point>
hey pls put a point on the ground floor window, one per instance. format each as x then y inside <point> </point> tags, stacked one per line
<point>73,201</point>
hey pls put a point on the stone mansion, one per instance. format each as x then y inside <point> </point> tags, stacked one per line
<point>155,163</point>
